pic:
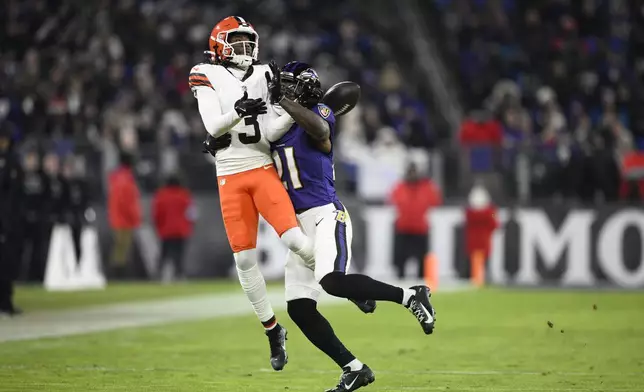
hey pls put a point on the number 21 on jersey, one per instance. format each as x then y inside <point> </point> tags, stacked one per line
<point>291,167</point>
<point>289,163</point>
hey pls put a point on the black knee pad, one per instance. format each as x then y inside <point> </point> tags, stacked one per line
<point>332,283</point>
<point>302,311</point>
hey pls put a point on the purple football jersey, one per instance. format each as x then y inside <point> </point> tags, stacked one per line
<point>307,172</point>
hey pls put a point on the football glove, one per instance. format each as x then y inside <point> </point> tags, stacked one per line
<point>250,107</point>
<point>213,144</point>
<point>274,83</point>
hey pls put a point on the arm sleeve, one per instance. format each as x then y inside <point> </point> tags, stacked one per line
<point>278,127</point>
<point>216,122</point>
<point>327,114</point>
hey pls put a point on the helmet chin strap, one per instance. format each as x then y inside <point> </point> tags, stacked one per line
<point>241,62</point>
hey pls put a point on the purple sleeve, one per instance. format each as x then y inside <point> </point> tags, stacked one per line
<point>326,113</point>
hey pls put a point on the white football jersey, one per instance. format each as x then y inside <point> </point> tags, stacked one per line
<point>249,147</point>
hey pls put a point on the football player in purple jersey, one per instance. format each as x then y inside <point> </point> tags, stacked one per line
<point>303,154</point>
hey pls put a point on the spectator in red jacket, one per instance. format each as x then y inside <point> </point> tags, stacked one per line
<point>480,222</point>
<point>481,129</point>
<point>173,214</point>
<point>413,198</point>
<point>632,182</point>
<point>124,213</point>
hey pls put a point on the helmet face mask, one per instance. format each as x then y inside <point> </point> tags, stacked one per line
<point>242,44</point>
<point>301,83</point>
<point>291,88</point>
<point>240,48</point>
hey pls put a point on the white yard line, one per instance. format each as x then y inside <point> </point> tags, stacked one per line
<point>39,325</point>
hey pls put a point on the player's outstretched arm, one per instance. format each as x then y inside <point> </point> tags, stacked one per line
<point>314,125</point>
<point>216,122</point>
<point>283,123</point>
<point>279,127</point>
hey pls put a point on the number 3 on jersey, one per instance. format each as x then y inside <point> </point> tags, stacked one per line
<point>291,167</point>
<point>256,136</point>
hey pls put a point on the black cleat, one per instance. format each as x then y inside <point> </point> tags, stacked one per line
<point>277,341</point>
<point>422,309</point>
<point>350,381</point>
<point>368,306</point>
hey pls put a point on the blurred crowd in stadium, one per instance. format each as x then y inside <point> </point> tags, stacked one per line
<point>565,77</point>
<point>560,77</point>
<point>114,73</point>
<point>550,92</point>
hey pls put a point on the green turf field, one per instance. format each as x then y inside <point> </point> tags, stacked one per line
<point>490,340</point>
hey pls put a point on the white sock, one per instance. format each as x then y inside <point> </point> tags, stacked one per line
<point>300,244</point>
<point>354,365</point>
<point>254,285</point>
<point>407,294</point>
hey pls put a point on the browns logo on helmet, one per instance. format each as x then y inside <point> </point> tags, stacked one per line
<point>233,40</point>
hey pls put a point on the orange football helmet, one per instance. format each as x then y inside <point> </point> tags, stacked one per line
<point>222,50</point>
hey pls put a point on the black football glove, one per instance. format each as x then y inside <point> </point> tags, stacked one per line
<point>250,107</point>
<point>274,83</point>
<point>213,144</point>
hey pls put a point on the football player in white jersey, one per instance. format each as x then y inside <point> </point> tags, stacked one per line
<point>231,92</point>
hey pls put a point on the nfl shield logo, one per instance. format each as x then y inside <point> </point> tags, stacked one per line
<point>325,111</point>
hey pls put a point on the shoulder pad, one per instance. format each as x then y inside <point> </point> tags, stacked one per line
<point>324,110</point>
<point>199,76</point>
<point>260,66</point>
<point>201,68</point>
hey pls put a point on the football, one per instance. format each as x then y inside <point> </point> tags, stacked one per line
<point>342,97</point>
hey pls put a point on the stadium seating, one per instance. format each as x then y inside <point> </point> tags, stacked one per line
<point>562,77</point>
<point>90,80</point>
<point>84,76</point>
